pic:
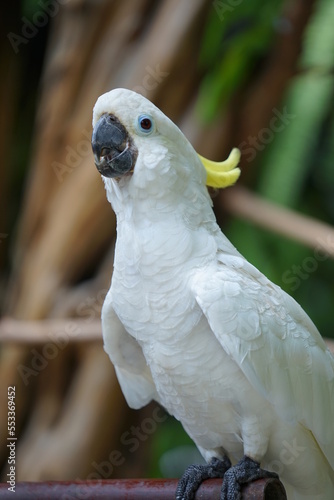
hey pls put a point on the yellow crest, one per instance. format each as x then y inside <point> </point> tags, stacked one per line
<point>224,173</point>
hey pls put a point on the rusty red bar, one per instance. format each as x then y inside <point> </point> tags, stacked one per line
<point>134,489</point>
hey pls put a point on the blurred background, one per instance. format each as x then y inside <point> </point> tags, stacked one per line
<point>254,74</point>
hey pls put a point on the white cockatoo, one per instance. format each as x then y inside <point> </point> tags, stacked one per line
<point>190,323</point>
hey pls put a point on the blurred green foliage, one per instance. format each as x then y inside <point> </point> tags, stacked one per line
<point>29,7</point>
<point>235,39</point>
<point>296,168</point>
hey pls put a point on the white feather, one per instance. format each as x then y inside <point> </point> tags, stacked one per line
<point>203,332</point>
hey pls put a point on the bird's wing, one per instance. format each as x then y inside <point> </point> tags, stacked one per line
<point>132,371</point>
<point>274,343</point>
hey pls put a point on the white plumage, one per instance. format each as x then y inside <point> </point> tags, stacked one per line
<point>190,323</point>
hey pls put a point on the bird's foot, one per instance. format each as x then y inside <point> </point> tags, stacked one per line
<point>194,475</point>
<point>245,471</point>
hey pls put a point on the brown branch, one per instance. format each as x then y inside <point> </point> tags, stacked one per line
<point>40,332</point>
<point>242,203</point>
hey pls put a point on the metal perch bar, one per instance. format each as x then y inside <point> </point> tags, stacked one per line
<point>136,489</point>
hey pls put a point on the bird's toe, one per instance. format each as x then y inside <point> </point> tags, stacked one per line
<point>194,475</point>
<point>245,471</point>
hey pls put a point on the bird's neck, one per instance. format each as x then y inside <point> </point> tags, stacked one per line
<point>168,232</point>
<point>160,199</point>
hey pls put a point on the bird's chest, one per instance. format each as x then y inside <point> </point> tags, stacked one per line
<point>154,309</point>
<point>198,384</point>
<point>150,284</point>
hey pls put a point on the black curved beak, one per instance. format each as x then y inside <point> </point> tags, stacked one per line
<point>114,151</point>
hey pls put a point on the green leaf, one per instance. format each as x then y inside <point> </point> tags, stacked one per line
<point>319,38</point>
<point>287,158</point>
<point>237,35</point>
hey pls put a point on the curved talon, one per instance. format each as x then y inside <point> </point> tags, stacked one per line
<point>194,475</point>
<point>245,471</point>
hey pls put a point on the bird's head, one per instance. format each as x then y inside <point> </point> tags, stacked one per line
<point>133,138</point>
<point>127,128</point>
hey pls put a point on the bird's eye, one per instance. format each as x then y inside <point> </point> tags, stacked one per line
<point>145,124</point>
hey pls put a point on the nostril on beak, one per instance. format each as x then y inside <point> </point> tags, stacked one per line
<point>105,152</point>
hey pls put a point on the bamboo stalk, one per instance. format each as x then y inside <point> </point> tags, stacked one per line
<point>86,429</point>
